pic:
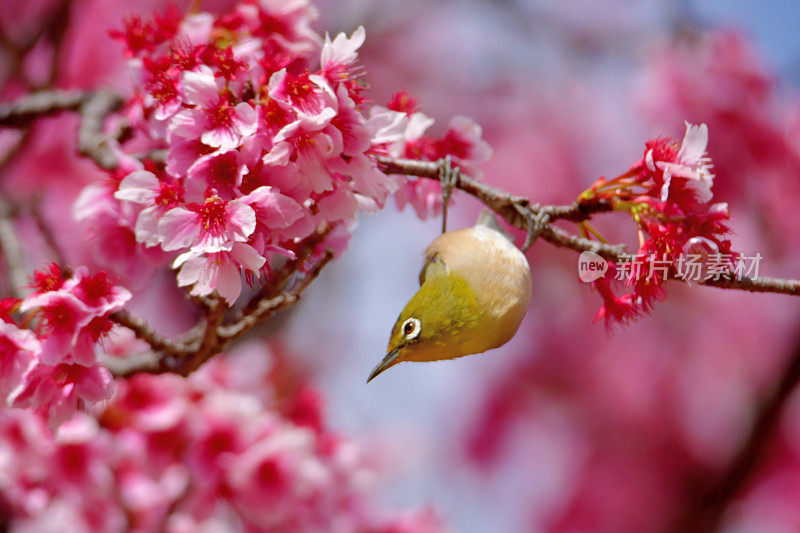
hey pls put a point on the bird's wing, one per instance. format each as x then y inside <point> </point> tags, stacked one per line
<point>433,265</point>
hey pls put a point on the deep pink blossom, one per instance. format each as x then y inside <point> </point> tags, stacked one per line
<point>308,95</point>
<point>218,271</point>
<point>158,197</point>
<point>212,226</point>
<point>59,391</point>
<point>214,120</point>
<point>19,349</point>
<point>691,163</point>
<point>221,171</point>
<point>63,317</point>
<point>98,292</point>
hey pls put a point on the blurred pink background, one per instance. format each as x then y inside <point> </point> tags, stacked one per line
<point>568,427</point>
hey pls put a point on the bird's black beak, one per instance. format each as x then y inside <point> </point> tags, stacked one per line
<point>388,361</point>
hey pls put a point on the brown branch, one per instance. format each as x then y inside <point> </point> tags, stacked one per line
<point>11,251</point>
<point>35,209</point>
<point>92,142</point>
<point>93,106</point>
<point>520,213</point>
<point>267,308</point>
<point>23,111</point>
<point>143,331</point>
<point>207,339</point>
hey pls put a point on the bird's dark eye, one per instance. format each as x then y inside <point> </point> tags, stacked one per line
<point>411,328</point>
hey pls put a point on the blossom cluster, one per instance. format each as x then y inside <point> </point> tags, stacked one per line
<point>53,369</point>
<point>462,142</point>
<point>667,193</point>
<point>225,450</point>
<point>730,87</point>
<point>266,139</point>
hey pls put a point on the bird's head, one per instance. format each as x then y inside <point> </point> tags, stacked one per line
<point>431,324</point>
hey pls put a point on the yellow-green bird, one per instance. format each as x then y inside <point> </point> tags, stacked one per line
<point>475,288</point>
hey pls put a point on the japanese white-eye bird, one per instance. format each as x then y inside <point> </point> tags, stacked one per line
<point>475,288</point>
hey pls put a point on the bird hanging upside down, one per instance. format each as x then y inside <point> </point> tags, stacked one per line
<point>475,287</point>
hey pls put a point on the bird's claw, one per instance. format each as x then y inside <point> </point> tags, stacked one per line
<point>536,222</point>
<point>448,178</point>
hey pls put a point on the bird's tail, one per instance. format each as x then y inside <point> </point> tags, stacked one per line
<point>487,218</point>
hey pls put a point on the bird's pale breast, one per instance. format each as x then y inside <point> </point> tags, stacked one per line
<point>499,273</point>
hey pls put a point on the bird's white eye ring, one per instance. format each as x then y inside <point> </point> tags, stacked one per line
<point>411,328</point>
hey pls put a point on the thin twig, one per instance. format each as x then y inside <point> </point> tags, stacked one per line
<point>35,209</point>
<point>267,308</point>
<point>210,339</point>
<point>11,251</point>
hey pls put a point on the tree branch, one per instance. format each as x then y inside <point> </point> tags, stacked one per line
<point>267,308</point>
<point>93,106</point>
<point>22,112</point>
<point>209,337</point>
<point>519,212</point>
<point>11,251</point>
<point>92,142</point>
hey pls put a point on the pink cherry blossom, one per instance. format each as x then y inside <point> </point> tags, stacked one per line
<point>212,226</point>
<point>58,391</point>
<point>307,95</point>
<point>214,120</point>
<point>339,55</point>
<point>368,182</point>
<point>274,475</point>
<point>387,127</point>
<point>97,292</point>
<point>351,125</point>
<point>64,316</point>
<point>221,171</point>
<point>274,211</point>
<point>306,154</point>
<point>692,163</point>
<point>19,349</point>
<point>218,271</point>
<point>158,197</point>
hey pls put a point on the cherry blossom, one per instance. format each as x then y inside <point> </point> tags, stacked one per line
<point>691,163</point>
<point>212,226</point>
<point>219,271</point>
<point>19,349</point>
<point>214,121</point>
<point>58,391</point>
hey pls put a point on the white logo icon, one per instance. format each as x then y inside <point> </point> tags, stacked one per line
<point>591,267</point>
